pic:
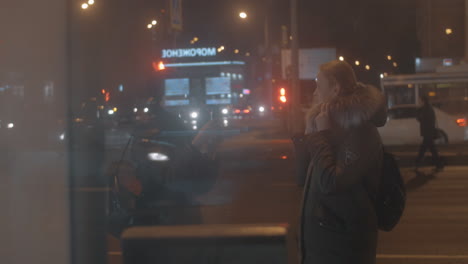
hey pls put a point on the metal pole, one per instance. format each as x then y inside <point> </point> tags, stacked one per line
<point>268,60</point>
<point>466,31</point>
<point>295,113</point>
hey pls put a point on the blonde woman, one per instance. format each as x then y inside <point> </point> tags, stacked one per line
<point>338,223</point>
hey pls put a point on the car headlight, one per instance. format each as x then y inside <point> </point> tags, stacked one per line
<point>261,109</point>
<point>62,136</point>
<point>156,156</point>
<point>225,111</point>
<point>194,114</point>
<point>11,125</point>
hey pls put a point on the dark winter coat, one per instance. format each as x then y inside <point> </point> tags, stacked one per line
<point>427,121</point>
<point>338,223</point>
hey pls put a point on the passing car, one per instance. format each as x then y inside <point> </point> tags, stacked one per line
<point>402,127</point>
<point>242,112</point>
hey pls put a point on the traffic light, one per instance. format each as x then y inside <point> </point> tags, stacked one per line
<point>159,66</point>
<point>282,97</point>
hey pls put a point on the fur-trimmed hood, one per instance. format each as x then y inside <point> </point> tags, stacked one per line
<point>365,104</point>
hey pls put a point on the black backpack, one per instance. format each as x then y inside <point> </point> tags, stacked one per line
<point>391,197</point>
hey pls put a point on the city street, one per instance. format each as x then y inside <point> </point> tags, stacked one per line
<point>256,185</point>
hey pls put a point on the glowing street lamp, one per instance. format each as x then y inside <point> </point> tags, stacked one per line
<point>389,57</point>
<point>341,58</point>
<point>150,26</point>
<point>357,63</point>
<point>367,67</point>
<point>91,2</point>
<point>243,15</point>
<point>84,6</point>
<point>154,22</point>
<point>448,31</point>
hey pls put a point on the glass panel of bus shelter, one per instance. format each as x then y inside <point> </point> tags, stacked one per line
<point>34,193</point>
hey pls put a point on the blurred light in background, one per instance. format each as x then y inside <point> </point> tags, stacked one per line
<point>448,31</point>
<point>84,6</point>
<point>243,15</point>
<point>146,110</point>
<point>91,2</point>
<point>357,63</point>
<point>341,58</point>
<point>461,122</point>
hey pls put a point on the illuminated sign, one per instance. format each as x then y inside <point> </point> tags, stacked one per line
<point>183,53</point>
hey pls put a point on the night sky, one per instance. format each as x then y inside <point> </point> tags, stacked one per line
<point>367,30</point>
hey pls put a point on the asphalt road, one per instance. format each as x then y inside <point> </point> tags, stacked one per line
<point>256,185</point>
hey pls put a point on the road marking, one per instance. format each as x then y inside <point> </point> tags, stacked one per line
<point>415,154</point>
<point>91,189</point>
<point>379,256</point>
<point>387,256</point>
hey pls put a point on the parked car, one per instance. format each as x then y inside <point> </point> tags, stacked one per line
<point>402,127</point>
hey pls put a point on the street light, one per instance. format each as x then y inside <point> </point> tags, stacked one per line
<point>448,31</point>
<point>150,26</point>
<point>357,63</point>
<point>341,58</point>
<point>91,2</point>
<point>84,6</point>
<point>389,57</point>
<point>267,54</point>
<point>154,22</point>
<point>367,67</point>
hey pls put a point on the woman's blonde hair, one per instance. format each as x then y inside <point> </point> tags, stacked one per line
<point>342,73</point>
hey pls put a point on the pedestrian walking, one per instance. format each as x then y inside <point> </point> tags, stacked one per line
<point>428,131</point>
<point>338,220</point>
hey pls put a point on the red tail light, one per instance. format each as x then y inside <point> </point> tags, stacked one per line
<point>246,111</point>
<point>461,122</point>
<point>237,111</point>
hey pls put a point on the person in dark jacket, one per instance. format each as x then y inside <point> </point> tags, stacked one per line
<point>428,131</point>
<point>338,220</point>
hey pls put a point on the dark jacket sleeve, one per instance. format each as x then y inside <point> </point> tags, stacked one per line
<point>336,169</point>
